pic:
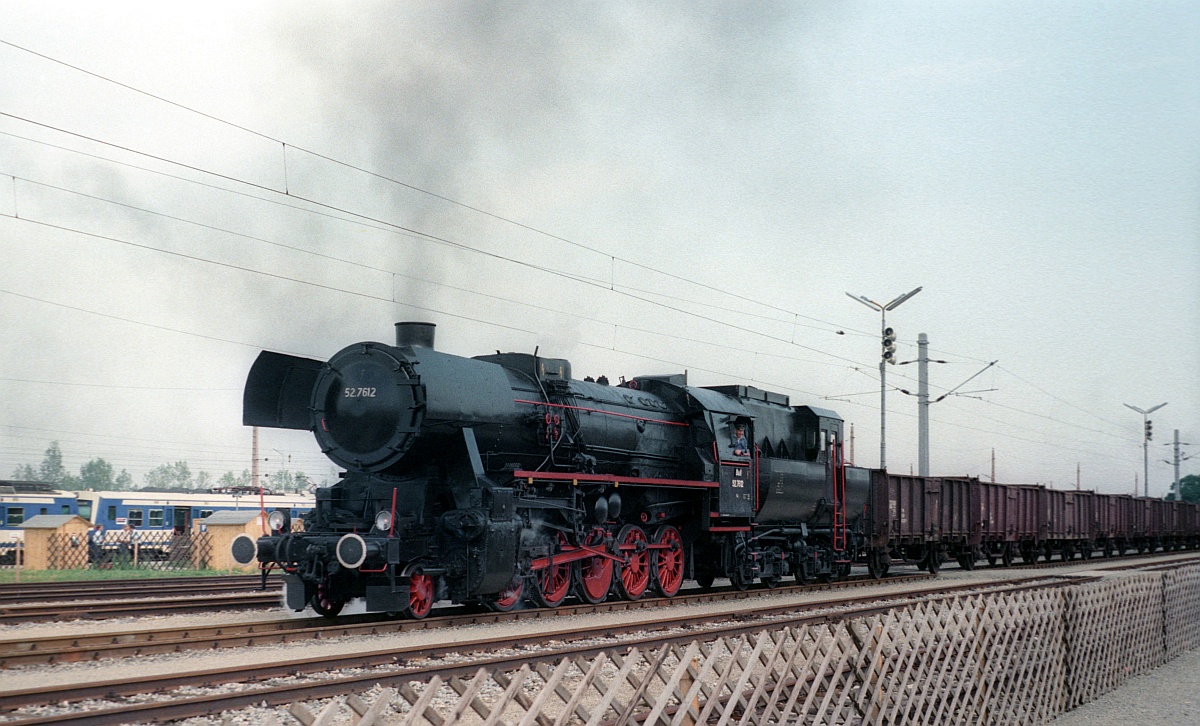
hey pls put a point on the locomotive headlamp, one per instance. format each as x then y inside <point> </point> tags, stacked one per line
<point>383,521</point>
<point>278,521</point>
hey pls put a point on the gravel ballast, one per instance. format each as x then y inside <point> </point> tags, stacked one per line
<point>1169,696</point>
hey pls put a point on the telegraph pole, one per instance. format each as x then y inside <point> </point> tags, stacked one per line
<point>923,404</point>
<point>254,461</point>
<point>889,356</point>
<point>1176,460</point>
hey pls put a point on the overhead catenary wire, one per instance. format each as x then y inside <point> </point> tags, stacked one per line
<point>284,144</point>
<point>425,236</point>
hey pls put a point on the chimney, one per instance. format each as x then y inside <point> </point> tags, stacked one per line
<point>415,335</point>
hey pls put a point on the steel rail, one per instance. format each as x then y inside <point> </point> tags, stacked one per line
<point>69,590</point>
<point>137,642</point>
<point>100,609</point>
<point>780,616</point>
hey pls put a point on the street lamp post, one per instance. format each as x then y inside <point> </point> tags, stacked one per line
<point>1146,444</point>
<point>889,356</point>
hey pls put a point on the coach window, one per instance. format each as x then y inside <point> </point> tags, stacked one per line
<point>16,515</point>
<point>156,517</point>
<point>112,512</point>
<point>134,517</point>
<point>205,513</point>
<point>85,510</point>
<point>66,509</point>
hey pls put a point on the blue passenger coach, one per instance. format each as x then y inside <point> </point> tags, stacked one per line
<point>175,511</point>
<point>21,500</point>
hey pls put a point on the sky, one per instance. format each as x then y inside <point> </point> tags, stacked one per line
<point>639,187</point>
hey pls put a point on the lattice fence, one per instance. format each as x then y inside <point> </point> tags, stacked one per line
<point>1011,658</point>
<point>1181,594</point>
<point>151,550</point>
<point>1114,631</point>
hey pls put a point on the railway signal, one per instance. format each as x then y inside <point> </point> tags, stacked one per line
<point>889,345</point>
<point>1145,444</point>
<point>1149,429</point>
<point>883,311</point>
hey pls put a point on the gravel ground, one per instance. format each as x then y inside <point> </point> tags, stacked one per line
<point>1169,695</point>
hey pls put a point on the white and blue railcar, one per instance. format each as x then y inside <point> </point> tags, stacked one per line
<point>175,511</point>
<point>21,500</point>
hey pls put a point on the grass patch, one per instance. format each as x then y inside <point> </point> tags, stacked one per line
<point>9,575</point>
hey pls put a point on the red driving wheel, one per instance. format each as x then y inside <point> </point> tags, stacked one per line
<point>510,597</point>
<point>554,582</point>
<point>667,564</point>
<point>420,595</point>
<point>594,574</point>
<point>632,578</point>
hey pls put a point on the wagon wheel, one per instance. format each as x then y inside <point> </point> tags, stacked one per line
<point>1087,550</point>
<point>632,579</point>
<point>992,560</point>
<point>666,565</point>
<point>1008,555</point>
<point>933,562</point>
<point>324,604</point>
<point>705,579</point>
<point>593,576</point>
<point>738,580</point>
<point>966,561</point>
<point>877,565</point>
<point>508,598</point>
<point>420,595</point>
<point>551,585</point>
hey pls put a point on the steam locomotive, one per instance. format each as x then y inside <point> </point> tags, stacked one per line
<point>500,478</point>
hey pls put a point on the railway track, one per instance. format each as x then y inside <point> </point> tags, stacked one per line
<point>76,647</point>
<point>393,665</point>
<point>45,592</point>
<point>102,609</point>
<point>84,600</point>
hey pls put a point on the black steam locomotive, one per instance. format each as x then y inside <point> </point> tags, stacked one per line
<point>501,478</point>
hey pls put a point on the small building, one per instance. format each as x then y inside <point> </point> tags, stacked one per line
<point>221,529</point>
<point>56,542</point>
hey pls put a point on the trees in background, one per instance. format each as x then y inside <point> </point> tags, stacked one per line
<point>1189,488</point>
<point>99,475</point>
<point>96,474</point>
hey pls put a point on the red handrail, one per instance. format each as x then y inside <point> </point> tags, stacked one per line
<point>839,498</point>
